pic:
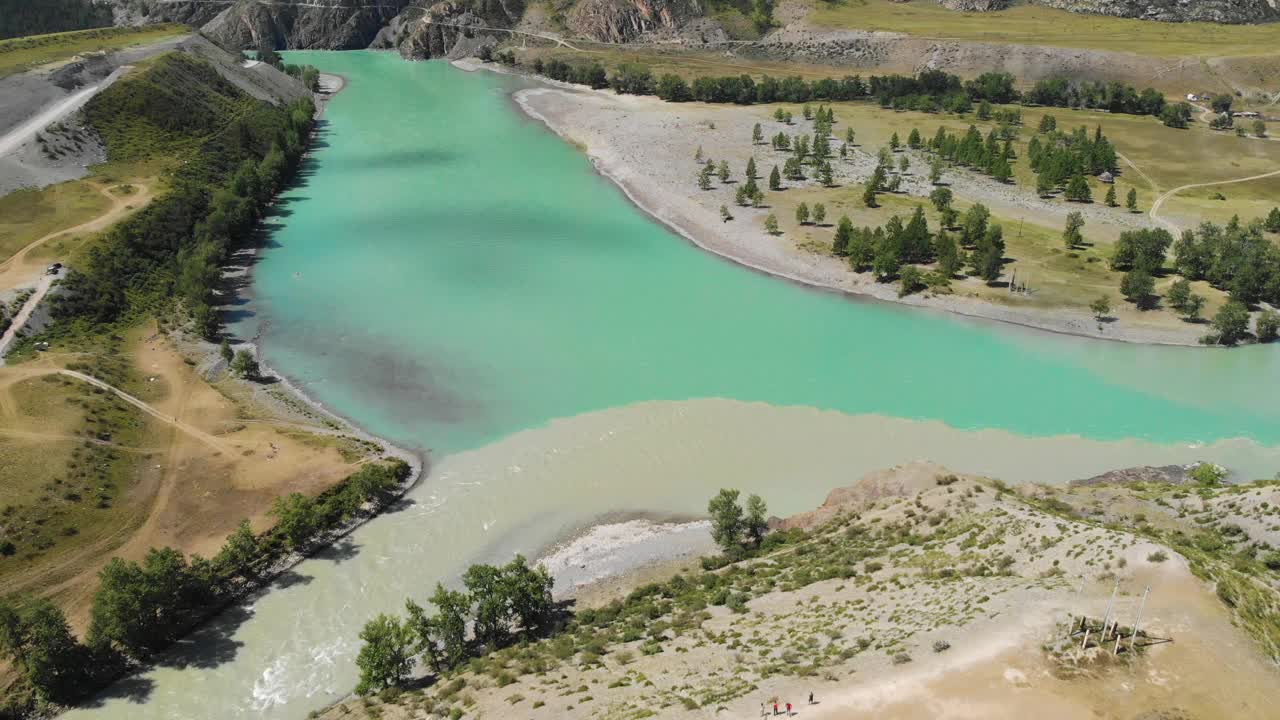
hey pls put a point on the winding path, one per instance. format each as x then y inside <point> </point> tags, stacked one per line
<point>191,430</point>
<point>1172,227</point>
<point>24,314</point>
<point>120,205</point>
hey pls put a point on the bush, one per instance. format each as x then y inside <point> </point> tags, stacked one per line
<point>941,645</point>
<point>1158,556</point>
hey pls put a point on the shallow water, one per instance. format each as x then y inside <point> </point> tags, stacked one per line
<point>454,277</point>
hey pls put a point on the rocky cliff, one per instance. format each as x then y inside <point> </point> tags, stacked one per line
<point>626,20</point>
<point>1236,12</point>
<point>974,5</point>
<point>453,28</point>
<point>326,24</point>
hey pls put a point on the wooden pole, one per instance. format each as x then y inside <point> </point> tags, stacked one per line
<point>1106,619</point>
<point>1141,606</point>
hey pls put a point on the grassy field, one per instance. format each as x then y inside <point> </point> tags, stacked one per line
<point>27,215</point>
<point>1033,25</point>
<point>1168,158</point>
<point>72,455</point>
<point>1248,200</point>
<point>20,54</point>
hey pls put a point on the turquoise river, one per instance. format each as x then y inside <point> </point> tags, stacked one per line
<point>452,276</point>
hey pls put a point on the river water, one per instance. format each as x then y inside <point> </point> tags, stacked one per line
<point>455,278</point>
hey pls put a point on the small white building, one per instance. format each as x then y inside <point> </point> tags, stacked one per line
<point>1106,177</point>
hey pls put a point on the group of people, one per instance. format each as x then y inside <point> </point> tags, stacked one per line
<point>764,710</point>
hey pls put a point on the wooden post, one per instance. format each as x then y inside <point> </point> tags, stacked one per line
<point>1141,606</point>
<point>1106,619</point>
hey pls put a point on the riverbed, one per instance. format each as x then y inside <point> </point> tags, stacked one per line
<point>455,278</point>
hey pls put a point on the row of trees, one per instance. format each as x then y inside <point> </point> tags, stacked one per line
<point>23,17</point>
<point>139,609</point>
<point>1111,96</point>
<point>592,74</point>
<point>928,91</point>
<point>989,156</point>
<point>500,605</point>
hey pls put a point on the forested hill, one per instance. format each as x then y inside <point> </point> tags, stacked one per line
<point>38,17</point>
<point>232,136</point>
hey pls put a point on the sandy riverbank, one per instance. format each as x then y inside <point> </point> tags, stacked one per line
<point>644,146</point>
<point>610,559</point>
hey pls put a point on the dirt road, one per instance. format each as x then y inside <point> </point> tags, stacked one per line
<point>20,270</point>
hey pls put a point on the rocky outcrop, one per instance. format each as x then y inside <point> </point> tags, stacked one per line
<point>974,5</point>
<point>1235,12</point>
<point>330,24</point>
<point>450,29</point>
<point>626,20</point>
<point>144,12</point>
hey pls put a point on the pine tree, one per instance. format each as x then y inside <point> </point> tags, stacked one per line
<point>741,196</point>
<point>869,194</point>
<point>844,150</point>
<point>819,213</point>
<point>724,171</point>
<point>771,224</point>
<point>913,140</point>
<point>751,168</point>
<point>1272,223</point>
<point>1078,189</point>
<point>844,233</point>
<point>825,174</point>
<point>903,164</point>
<point>1071,236</point>
<point>1111,196</point>
<point>935,171</point>
<point>704,178</point>
<point>802,213</point>
<point>1044,185</point>
<point>1000,170</point>
<point>894,142</point>
<point>1131,200</point>
<point>948,255</point>
<point>697,156</point>
<point>757,135</point>
<point>848,136</point>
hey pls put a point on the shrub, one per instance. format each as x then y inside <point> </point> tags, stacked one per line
<point>1158,556</point>
<point>941,645</point>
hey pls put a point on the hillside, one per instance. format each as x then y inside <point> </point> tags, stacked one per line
<point>349,24</point>
<point>919,590</point>
<point>127,435</point>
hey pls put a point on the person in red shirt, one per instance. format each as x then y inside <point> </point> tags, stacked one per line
<point>788,709</point>
<point>775,708</point>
